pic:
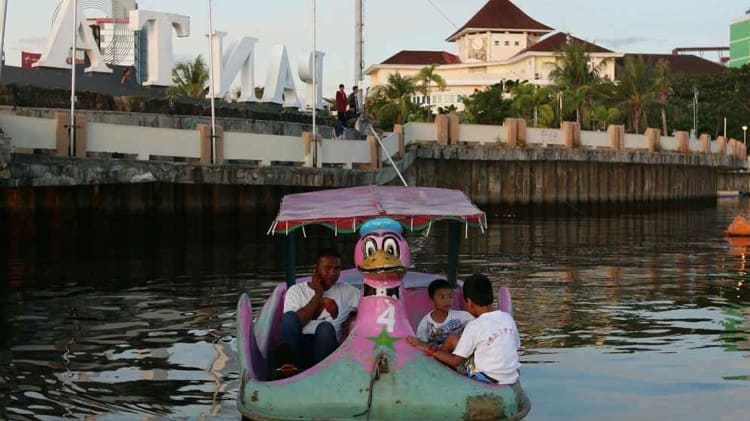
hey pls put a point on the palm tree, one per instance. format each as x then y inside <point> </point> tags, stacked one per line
<point>424,79</point>
<point>533,103</point>
<point>190,78</point>
<point>664,91</point>
<point>636,90</point>
<point>575,75</point>
<point>392,102</point>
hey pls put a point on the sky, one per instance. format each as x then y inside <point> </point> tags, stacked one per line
<point>651,26</point>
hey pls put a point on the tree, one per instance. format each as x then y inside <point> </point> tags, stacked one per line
<point>664,91</point>
<point>190,78</point>
<point>533,103</point>
<point>424,79</point>
<point>636,90</point>
<point>487,106</point>
<point>576,77</point>
<point>392,102</point>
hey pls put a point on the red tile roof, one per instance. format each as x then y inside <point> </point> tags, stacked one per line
<point>425,58</point>
<point>557,41</point>
<point>685,64</point>
<point>502,14</point>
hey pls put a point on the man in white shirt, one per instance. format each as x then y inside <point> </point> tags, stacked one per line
<point>317,313</point>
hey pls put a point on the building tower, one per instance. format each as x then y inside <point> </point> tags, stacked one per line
<point>739,41</point>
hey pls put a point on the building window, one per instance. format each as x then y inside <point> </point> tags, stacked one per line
<point>497,43</point>
<point>517,43</point>
<point>507,43</point>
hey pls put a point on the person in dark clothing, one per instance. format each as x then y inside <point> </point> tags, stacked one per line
<point>354,102</point>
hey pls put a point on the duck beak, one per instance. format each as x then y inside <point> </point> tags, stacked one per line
<point>381,261</point>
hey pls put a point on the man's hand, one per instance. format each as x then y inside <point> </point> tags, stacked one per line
<point>314,307</point>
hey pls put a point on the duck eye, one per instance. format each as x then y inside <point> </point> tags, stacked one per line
<point>370,247</point>
<point>390,246</point>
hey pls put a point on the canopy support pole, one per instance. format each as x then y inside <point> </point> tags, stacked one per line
<point>454,241</point>
<point>291,264</point>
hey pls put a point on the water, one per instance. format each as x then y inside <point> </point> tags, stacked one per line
<point>631,314</point>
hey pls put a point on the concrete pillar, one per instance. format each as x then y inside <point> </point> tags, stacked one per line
<point>511,131</point>
<point>307,145</point>
<point>616,137</point>
<point>521,131</point>
<point>81,136</point>
<point>705,143</point>
<point>62,138</point>
<point>398,129</point>
<point>205,141</point>
<point>441,126</point>
<point>375,152</point>
<point>722,145</point>
<point>654,139</point>
<point>453,129</point>
<point>683,142</point>
<point>569,134</point>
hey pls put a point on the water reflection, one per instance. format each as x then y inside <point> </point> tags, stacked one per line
<point>119,316</point>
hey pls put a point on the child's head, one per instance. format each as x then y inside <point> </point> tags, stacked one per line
<point>441,294</point>
<point>477,293</point>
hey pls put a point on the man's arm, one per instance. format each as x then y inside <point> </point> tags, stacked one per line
<point>448,358</point>
<point>439,354</point>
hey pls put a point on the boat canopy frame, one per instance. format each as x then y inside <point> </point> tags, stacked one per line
<point>345,210</point>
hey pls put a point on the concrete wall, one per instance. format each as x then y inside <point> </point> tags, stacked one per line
<point>526,183</point>
<point>166,121</point>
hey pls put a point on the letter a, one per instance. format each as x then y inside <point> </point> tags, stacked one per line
<point>60,43</point>
<point>279,87</point>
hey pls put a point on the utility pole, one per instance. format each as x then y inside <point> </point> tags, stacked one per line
<point>358,41</point>
<point>73,57</point>
<point>3,15</point>
<point>211,79</point>
<point>695,112</point>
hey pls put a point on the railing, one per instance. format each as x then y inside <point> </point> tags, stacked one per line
<point>515,133</point>
<point>147,143</point>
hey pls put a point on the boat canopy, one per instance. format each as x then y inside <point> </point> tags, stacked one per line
<point>345,210</point>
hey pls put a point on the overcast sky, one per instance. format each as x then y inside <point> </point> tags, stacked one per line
<point>654,26</point>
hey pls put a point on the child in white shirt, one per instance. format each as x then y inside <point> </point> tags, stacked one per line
<point>442,321</point>
<point>488,348</point>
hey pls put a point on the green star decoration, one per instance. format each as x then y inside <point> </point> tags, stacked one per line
<point>384,340</point>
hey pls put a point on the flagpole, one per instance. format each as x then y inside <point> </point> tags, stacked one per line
<point>314,85</point>
<point>211,80</point>
<point>71,151</point>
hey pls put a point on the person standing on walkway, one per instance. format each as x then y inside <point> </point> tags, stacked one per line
<point>341,102</point>
<point>354,102</point>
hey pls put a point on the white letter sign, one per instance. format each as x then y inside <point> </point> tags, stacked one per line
<point>239,56</point>
<point>60,43</point>
<point>158,27</point>
<point>304,68</point>
<point>279,87</point>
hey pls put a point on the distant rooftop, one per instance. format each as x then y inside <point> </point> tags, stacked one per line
<point>421,57</point>
<point>684,64</point>
<point>501,15</point>
<point>556,42</point>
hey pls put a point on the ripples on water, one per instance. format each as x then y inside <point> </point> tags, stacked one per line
<point>624,314</point>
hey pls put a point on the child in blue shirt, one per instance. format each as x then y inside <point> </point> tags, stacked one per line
<point>442,321</point>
